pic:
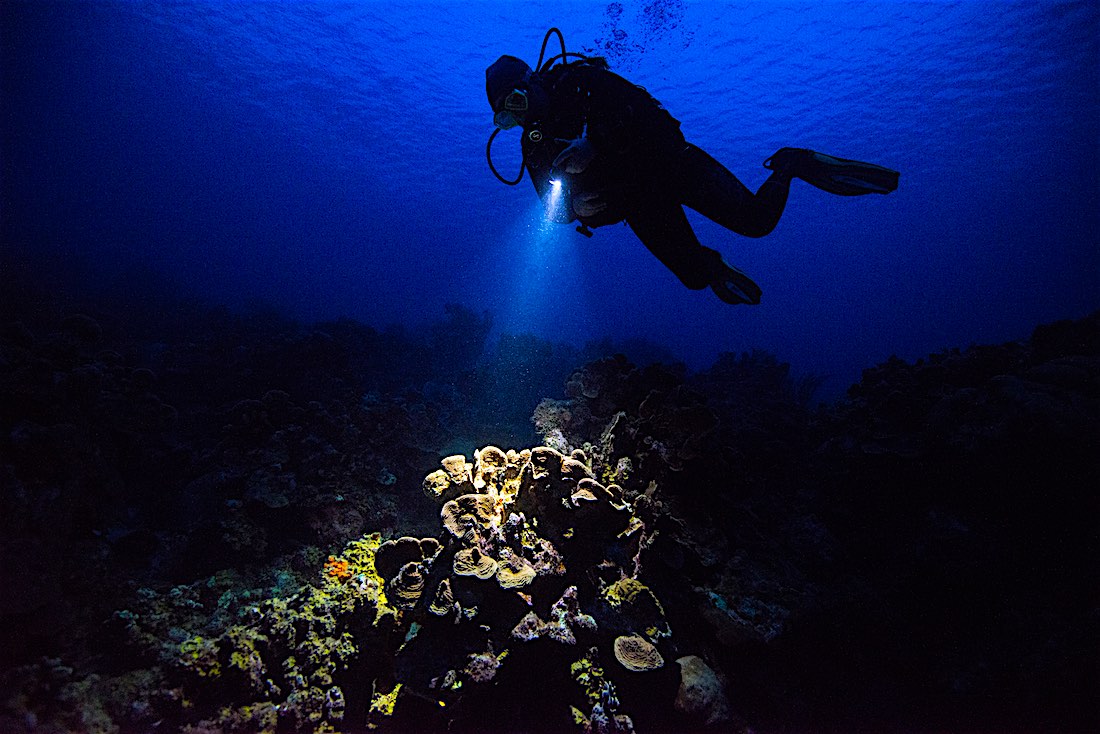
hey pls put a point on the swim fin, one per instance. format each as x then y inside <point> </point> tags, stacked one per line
<point>734,287</point>
<point>835,175</point>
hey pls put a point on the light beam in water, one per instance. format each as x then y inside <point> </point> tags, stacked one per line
<point>545,260</point>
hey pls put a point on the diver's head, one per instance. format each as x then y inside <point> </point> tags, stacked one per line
<point>513,91</point>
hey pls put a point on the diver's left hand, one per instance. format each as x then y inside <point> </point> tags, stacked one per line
<point>576,157</point>
<point>588,205</point>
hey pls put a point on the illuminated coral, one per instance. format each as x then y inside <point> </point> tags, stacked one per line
<point>601,697</point>
<point>531,540</point>
<point>393,554</point>
<point>472,562</point>
<point>482,667</point>
<point>490,465</point>
<point>444,600</point>
<point>458,471</point>
<point>404,589</point>
<point>470,512</point>
<point>629,605</point>
<point>513,570</point>
<point>637,653</point>
<point>454,479</point>
<point>565,618</point>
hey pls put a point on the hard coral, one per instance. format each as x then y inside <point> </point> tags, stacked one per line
<point>472,562</point>
<point>637,653</point>
<point>405,588</point>
<point>540,560</point>
<point>534,521</point>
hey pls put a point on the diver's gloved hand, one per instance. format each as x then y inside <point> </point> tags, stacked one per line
<point>588,205</point>
<point>576,157</point>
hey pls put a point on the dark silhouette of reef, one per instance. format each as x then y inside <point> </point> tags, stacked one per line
<point>213,521</point>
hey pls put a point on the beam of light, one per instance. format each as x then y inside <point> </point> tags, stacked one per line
<point>543,276</point>
<point>554,201</point>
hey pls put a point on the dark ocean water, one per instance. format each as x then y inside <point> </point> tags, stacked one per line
<point>328,159</point>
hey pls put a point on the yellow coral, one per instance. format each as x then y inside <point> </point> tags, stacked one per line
<point>589,675</point>
<point>624,590</point>
<point>383,703</point>
<point>201,655</point>
<point>360,554</point>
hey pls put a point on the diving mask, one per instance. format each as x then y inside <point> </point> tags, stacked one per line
<point>515,107</point>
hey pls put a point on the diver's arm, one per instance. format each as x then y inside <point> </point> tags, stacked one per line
<point>578,153</point>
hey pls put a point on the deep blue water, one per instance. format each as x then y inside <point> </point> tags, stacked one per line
<point>328,158</point>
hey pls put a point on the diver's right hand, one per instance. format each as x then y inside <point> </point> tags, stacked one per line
<point>588,205</point>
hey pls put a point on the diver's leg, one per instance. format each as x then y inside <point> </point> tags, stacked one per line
<point>665,231</point>
<point>709,188</point>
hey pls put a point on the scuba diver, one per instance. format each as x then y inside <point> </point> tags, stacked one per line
<point>608,152</point>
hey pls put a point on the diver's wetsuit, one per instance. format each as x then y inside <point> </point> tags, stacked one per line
<point>644,170</point>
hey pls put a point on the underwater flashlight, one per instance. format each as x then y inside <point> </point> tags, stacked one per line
<point>554,201</point>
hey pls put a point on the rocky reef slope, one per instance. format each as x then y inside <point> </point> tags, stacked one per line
<point>218,523</point>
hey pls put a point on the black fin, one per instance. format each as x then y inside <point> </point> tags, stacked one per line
<point>839,176</point>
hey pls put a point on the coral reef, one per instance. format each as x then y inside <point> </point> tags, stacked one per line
<point>781,530</point>
<point>524,577</point>
<point>533,543</point>
<point>241,524</point>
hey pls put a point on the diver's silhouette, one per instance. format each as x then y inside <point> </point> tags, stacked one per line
<point>619,156</point>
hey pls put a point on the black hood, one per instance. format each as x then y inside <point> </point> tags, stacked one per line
<point>506,73</point>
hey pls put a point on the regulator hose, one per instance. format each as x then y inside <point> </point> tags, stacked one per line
<point>542,51</point>
<point>489,158</point>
